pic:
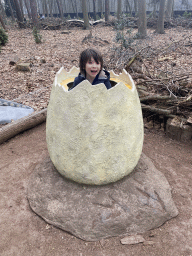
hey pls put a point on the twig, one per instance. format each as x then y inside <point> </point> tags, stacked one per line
<point>159,111</point>
<point>154,97</point>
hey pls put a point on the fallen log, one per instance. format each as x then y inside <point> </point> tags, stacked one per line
<point>10,130</point>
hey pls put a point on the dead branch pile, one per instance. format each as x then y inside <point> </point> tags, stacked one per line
<point>90,39</point>
<point>55,23</point>
<point>164,87</point>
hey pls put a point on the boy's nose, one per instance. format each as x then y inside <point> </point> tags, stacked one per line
<point>94,64</point>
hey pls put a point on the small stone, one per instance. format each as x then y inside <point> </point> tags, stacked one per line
<point>132,239</point>
<point>148,243</point>
<point>23,66</point>
<point>43,60</point>
<point>65,32</point>
<point>47,226</point>
<point>14,61</point>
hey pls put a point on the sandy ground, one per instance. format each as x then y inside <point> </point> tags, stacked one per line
<point>25,233</point>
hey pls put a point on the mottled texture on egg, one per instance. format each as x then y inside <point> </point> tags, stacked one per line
<point>94,135</point>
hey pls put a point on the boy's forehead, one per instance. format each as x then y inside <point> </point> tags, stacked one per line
<point>91,58</point>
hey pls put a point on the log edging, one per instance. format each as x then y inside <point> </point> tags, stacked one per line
<point>10,130</point>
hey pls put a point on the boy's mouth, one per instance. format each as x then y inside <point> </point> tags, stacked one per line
<point>93,71</point>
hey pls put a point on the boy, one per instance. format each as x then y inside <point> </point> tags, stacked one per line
<point>91,68</point>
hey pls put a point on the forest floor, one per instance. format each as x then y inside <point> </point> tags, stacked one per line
<point>25,233</point>
<point>162,56</point>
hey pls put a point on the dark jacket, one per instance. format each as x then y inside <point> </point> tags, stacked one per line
<point>102,77</point>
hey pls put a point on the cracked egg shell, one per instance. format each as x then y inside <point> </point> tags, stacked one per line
<point>94,135</point>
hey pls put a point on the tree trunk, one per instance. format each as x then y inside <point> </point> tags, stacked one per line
<point>129,6</point>
<point>106,10</point>
<point>3,14</point>
<point>136,7</point>
<point>76,7</point>
<point>51,7</point>
<point>60,8</point>
<point>2,22</point>
<point>18,14</point>
<point>11,10</point>
<point>54,6</point>
<point>169,8</point>
<point>46,14</point>
<point>73,6</point>
<point>154,10</point>
<point>64,6</point>
<point>43,7</point>
<point>85,15</point>
<point>119,10</point>
<point>142,22</point>
<point>94,10</point>
<point>33,5</point>
<point>28,8</point>
<point>21,7</point>
<point>160,22</point>
<point>100,7</point>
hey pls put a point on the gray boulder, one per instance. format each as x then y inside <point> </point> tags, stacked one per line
<point>137,203</point>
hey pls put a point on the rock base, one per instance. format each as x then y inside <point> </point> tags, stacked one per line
<point>139,202</point>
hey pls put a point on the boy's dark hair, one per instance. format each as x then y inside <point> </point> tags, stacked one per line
<point>86,56</point>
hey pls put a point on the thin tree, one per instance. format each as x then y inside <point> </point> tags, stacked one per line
<point>119,9</point>
<point>50,7</point>
<point>18,14</point>
<point>60,8</point>
<point>76,8</point>
<point>154,4</point>
<point>100,7</point>
<point>94,10</point>
<point>136,6</point>
<point>2,22</point>
<point>11,10</point>
<point>28,8</point>
<point>128,6</point>
<point>21,7</point>
<point>2,10</point>
<point>73,6</point>
<point>142,22</point>
<point>169,8</point>
<point>85,15</point>
<point>106,10</point>
<point>33,5</point>
<point>45,8</point>
<point>64,6</point>
<point>160,21</point>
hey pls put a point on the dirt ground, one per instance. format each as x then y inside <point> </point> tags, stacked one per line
<point>25,233</point>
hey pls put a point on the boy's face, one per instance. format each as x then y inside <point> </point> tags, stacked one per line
<point>92,68</point>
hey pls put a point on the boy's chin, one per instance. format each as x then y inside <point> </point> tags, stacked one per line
<point>94,74</point>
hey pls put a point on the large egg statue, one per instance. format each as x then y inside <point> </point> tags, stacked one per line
<point>94,135</point>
